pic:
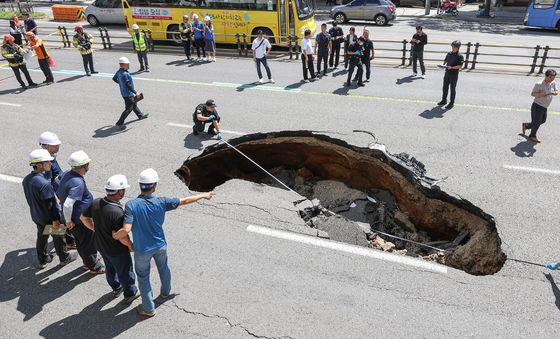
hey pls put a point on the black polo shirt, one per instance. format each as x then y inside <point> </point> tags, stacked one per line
<point>108,216</point>
<point>419,46</point>
<point>323,42</point>
<point>201,109</point>
<point>454,59</point>
<point>368,48</point>
<point>336,34</point>
<point>355,47</point>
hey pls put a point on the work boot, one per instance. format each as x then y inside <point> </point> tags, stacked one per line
<point>117,293</point>
<point>47,261</point>
<point>523,128</point>
<point>23,86</point>
<point>94,72</point>
<point>32,84</point>
<point>71,257</point>
<point>132,297</point>
<point>194,131</point>
<point>441,103</point>
<point>144,313</point>
<point>143,116</point>
<point>534,139</point>
<point>450,106</point>
<point>120,127</point>
<point>141,69</point>
<point>88,73</point>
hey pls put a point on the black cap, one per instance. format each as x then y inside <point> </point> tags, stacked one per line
<point>260,31</point>
<point>419,27</point>
<point>210,102</point>
<point>550,72</point>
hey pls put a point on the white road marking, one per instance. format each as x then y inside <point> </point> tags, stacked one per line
<point>190,126</point>
<point>353,249</point>
<point>10,104</point>
<point>10,178</point>
<point>532,169</point>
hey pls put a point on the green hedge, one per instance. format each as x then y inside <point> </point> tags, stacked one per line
<point>7,15</point>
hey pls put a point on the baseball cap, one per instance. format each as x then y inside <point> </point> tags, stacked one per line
<point>210,102</point>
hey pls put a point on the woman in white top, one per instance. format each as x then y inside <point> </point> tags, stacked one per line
<point>307,56</point>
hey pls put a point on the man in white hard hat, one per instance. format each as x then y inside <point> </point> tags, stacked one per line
<point>140,42</point>
<point>144,216</point>
<point>41,199</point>
<point>105,216</point>
<point>129,94</point>
<point>75,198</point>
<point>51,142</point>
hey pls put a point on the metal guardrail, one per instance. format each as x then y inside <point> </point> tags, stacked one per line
<point>532,60</point>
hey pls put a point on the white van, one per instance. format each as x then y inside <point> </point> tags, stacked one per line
<point>105,12</point>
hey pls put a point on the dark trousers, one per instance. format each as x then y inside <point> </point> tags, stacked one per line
<point>187,48</point>
<point>142,58</point>
<point>449,81</point>
<point>88,62</point>
<point>308,66</point>
<point>25,72</point>
<point>129,106</point>
<point>418,56</point>
<point>335,55</point>
<point>69,237</point>
<point>86,246</point>
<point>42,244</point>
<point>322,56</point>
<point>367,65</point>
<point>199,125</point>
<point>360,71</point>
<point>44,64</point>
<point>199,45</point>
<point>119,273</point>
<point>266,68</point>
<point>538,117</point>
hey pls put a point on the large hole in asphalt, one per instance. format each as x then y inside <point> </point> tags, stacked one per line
<point>358,195</point>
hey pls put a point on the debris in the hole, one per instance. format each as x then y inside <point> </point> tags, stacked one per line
<point>395,197</point>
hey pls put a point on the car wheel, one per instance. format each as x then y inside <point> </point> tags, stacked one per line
<point>93,20</point>
<point>340,18</point>
<point>380,20</point>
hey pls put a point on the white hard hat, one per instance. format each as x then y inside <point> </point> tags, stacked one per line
<point>78,158</point>
<point>49,138</point>
<point>124,60</point>
<point>195,16</point>
<point>116,182</point>
<point>148,176</point>
<point>39,155</point>
<point>207,18</point>
<point>135,26</point>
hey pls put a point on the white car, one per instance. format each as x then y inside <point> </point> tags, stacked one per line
<point>105,12</point>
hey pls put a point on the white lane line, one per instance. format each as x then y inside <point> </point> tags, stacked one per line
<point>10,178</point>
<point>10,104</point>
<point>190,126</point>
<point>532,169</point>
<point>353,249</point>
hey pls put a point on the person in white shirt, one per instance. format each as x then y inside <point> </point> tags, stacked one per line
<point>307,56</point>
<point>261,47</point>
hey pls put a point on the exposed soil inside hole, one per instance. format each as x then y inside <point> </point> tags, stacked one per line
<point>369,190</point>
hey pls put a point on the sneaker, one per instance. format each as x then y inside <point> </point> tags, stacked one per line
<point>120,127</point>
<point>194,131</point>
<point>117,293</point>
<point>523,128</point>
<point>144,116</point>
<point>534,139</point>
<point>47,261</point>
<point>423,76</point>
<point>214,59</point>
<point>132,297</point>
<point>144,313</point>
<point>71,257</point>
<point>147,70</point>
<point>33,84</point>
<point>336,67</point>
<point>305,80</point>
<point>414,74</point>
<point>450,106</point>
<point>100,270</point>
<point>261,81</point>
<point>23,86</point>
<point>314,78</point>
<point>141,69</point>
<point>88,74</point>
<point>441,103</point>
<point>271,81</point>
<point>361,84</point>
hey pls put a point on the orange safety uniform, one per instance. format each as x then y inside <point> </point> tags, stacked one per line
<point>42,51</point>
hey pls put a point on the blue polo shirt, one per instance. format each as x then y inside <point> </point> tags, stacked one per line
<point>38,189</point>
<point>72,185</point>
<point>147,214</point>
<point>197,34</point>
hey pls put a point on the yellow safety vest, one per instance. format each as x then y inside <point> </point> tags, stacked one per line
<point>139,43</point>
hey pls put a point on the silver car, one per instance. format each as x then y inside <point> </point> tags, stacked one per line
<point>380,11</point>
<point>102,12</point>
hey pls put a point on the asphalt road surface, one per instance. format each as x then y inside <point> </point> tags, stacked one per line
<point>229,282</point>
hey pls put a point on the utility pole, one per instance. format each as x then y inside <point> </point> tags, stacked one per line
<point>487,5</point>
<point>427,7</point>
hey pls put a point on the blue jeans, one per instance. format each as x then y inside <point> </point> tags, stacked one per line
<point>142,267</point>
<point>119,273</point>
<point>265,64</point>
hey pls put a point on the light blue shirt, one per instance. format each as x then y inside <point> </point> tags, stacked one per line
<point>147,214</point>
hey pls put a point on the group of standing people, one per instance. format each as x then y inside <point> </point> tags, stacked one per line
<point>200,34</point>
<point>64,202</point>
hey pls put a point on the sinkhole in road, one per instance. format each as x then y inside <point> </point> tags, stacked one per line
<point>359,195</point>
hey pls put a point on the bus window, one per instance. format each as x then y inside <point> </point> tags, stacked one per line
<point>305,8</point>
<point>544,4</point>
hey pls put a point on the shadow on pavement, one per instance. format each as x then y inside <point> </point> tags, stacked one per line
<point>107,131</point>
<point>524,149</point>
<point>405,80</point>
<point>295,85</point>
<point>195,141</point>
<point>343,90</point>
<point>13,91</point>
<point>339,72</point>
<point>95,322</point>
<point>35,288</point>
<point>180,62</point>
<point>436,112</point>
<point>555,289</point>
<point>72,78</point>
<point>245,86</point>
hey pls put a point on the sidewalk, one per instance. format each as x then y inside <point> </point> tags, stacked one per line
<point>467,12</point>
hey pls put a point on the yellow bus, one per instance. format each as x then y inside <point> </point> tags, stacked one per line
<point>276,18</point>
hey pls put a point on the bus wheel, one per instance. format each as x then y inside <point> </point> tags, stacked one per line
<point>267,32</point>
<point>172,36</point>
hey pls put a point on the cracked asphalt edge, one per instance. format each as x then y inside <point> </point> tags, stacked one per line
<point>229,322</point>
